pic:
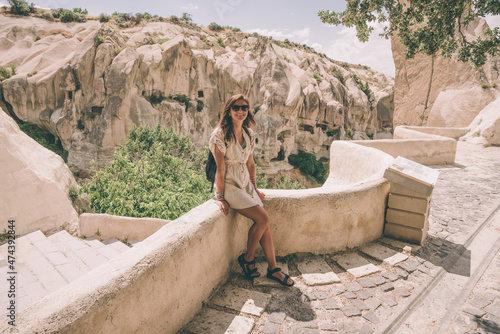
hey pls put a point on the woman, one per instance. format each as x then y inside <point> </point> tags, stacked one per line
<point>232,144</point>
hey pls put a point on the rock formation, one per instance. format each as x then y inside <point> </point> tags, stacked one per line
<point>438,91</point>
<point>35,183</point>
<point>485,128</point>
<point>89,83</point>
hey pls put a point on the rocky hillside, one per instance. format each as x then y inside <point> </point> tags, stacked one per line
<point>89,83</point>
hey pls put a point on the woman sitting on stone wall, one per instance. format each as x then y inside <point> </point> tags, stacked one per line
<point>232,144</point>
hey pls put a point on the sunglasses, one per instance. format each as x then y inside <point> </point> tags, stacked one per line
<point>237,108</point>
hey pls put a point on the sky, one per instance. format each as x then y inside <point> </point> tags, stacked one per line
<point>295,20</point>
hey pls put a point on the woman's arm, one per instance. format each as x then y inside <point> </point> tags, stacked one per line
<point>252,170</point>
<point>220,176</point>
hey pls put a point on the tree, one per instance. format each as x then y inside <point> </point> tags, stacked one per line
<point>20,7</point>
<point>187,17</point>
<point>424,26</point>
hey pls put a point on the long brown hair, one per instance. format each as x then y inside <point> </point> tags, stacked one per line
<point>226,123</point>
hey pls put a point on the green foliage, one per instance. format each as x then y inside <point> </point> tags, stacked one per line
<point>80,11</point>
<point>220,41</point>
<point>163,40</point>
<point>364,87</point>
<point>117,50</point>
<point>56,13</point>
<point>67,16</point>
<point>349,132</point>
<point>186,17</point>
<point>157,173</point>
<point>424,26</point>
<point>182,98</point>
<point>4,73</point>
<point>345,65</point>
<point>199,105</point>
<point>37,38</point>
<point>147,16</point>
<point>235,29</point>
<point>485,85</point>
<point>101,39</point>
<point>338,74</point>
<point>20,7</point>
<point>44,138</point>
<point>73,194</point>
<point>308,165</point>
<point>287,183</point>
<point>156,97</point>
<point>318,78</point>
<point>174,18</point>
<point>261,180</point>
<point>214,26</point>
<point>494,85</point>
<point>104,18</point>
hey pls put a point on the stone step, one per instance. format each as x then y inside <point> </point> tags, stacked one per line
<point>116,244</point>
<point>355,264</point>
<point>88,255</point>
<point>242,300</point>
<point>63,244</point>
<point>383,253</point>
<point>107,251</point>
<point>316,271</point>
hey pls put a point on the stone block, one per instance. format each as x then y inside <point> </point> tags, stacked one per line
<point>330,304</point>
<point>383,253</point>
<point>215,322</point>
<point>355,264</point>
<point>399,189</point>
<point>277,317</point>
<point>370,316</point>
<point>408,234</point>
<point>350,311</point>
<point>412,175</point>
<point>406,218</point>
<point>316,271</point>
<point>242,300</point>
<point>407,203</point>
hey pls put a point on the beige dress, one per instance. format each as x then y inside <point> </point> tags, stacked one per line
<point>238,191</point>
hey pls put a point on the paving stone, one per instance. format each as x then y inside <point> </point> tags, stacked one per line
<point>338,289</point>
<point>493,309</point>
<point>388,300</point>
<point>277,317</point>
<point>353,286</point>
<point>383,253</point>
<point>398,244</point>
<point>390,276</point>
<point>214,322</point>
<point>242,300</point>
<point>364,294</point>
<point>310,331</point>
<point>271,328</point>
<point>329,327</point>
<point>474,311</point>
<point>366,330</point>
<point>387,287</point>
<point>372,303</point>
<point>378,280</point>
<point>370,316</point>
<point>330,304</point>
<point>293,330</point>
<point>350,295</point>
<point>359,304</point>
<point>309,324</point>
<point>321,295</point>
<point>310,296</point>
<point>401,273</point>
<point>480,302</point>
<point>409,265</point>
<point>355,264</point>
<point>367,283</point>
<point>315,271</point>
<point>263,280</point>
<point>350,311</point>
<point>403,292</point>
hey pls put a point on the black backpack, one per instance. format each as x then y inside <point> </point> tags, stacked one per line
<point>211,166</point>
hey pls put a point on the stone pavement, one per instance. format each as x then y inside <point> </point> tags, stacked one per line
<point>378,287</point>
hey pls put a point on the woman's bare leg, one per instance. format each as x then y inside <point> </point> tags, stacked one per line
<point>261,233</point>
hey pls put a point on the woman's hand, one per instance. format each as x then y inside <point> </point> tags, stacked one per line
<point>260,193</point>
<point>223,206</point>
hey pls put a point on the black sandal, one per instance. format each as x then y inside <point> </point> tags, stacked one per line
<point>244,265</point>
<point>282,282</point>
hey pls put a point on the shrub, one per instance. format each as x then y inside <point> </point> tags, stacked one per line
<point>485,85</point>
<point>349,132</point>
<point>156,97</point>
<point>80,17</point>
<point>147,16</point>
<point>101,39</point>
<point>13,69</point>
<point>44,138</point>
<point>186,17</point>
<point>318,78</point>
<point>104,18</point>
<point>174,18</point>
<point>157,174</point>
<point>182,98</point>
<point>56,13</point>
<point>117,50</point>
<point>20,7</point>
<point>67,16</point>
<point>287,183</point>
<point>365,88</point>
<point>163,40</point>
<point>220,41</point>
<point>214,26</point>
<point>37,38</point>
<point>338,74</point>
<point>199,105</point>
<point>4,73</point>
<point>73,194</point>
<point>308,165</point>
<point>80,11</point>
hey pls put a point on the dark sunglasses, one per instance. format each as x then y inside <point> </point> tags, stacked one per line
<point>237,108</point>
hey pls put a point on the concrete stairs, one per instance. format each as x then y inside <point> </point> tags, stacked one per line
<point>45,264</point>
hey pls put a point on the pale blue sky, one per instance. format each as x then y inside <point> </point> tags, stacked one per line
<point>296,20</point>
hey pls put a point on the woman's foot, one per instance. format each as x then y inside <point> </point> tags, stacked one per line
<point>277,275</point>
<point>248,266</point>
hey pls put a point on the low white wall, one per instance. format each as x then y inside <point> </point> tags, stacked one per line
<point>108,226</point>
<point>421,147</point>
<point>454,133</point>
<point>158,286</point>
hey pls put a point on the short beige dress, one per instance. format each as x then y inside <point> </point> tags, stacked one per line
<point>238,190</point>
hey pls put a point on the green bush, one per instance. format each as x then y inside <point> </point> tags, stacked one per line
<point>163,40</point>
<point>182,98</point>
<point>286,183</point>
<point>199,105</point>
<point>156,97</point>
<point>365,88</point>
<point>104,18</point>
<point>156,174</point>
<point>20,7</point>
<point>80,11</point>
<point>214,26</point>
<point>485,85</point>
<point>44,138</point>
<point>67,16</point>
<point>186,17</point>
<point>338,74</point>
<point>318,78</point>
<point>4,73</point>
<point>220,41</point>
<point>308,165</point>
<point>101,39</point>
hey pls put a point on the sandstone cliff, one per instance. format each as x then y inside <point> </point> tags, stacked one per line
<point>35,183</point>
<point>89,83</point>
<point>438,91</point>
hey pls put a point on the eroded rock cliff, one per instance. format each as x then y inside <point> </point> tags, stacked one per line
<point>89,83</point>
